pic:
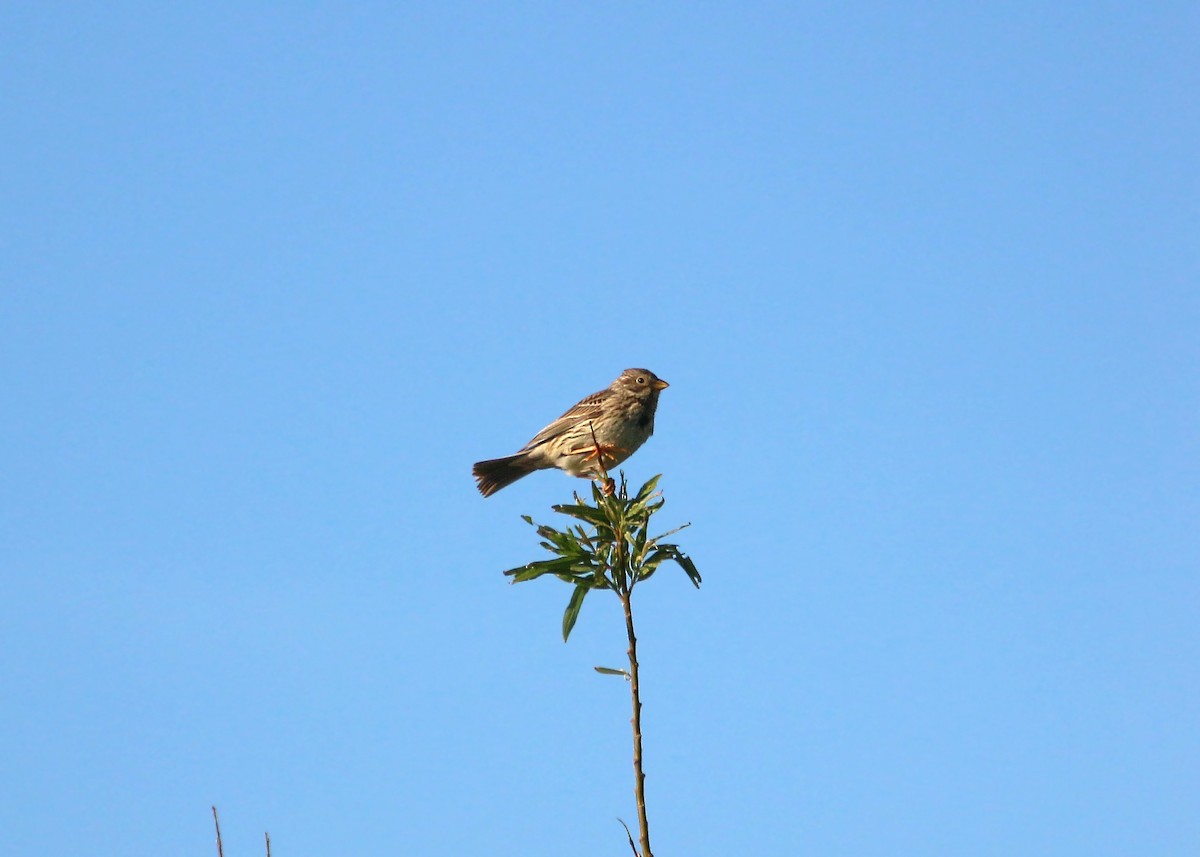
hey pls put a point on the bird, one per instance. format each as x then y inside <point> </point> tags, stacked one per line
<point>599,431</point>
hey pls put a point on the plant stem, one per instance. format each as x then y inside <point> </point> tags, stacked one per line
<point>639,777</point>
<point>217,824</point>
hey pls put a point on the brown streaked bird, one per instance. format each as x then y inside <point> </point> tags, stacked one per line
<point>607,426</point>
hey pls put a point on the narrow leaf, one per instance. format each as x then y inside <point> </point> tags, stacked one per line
<point>537,569</point>
<point>672,532</point>
<point>611,671</point>
<point>636,853</point>
<point>572,611</point>
<point>583,512</point>
<point>690,567</point>
<point>647,489</point>
<point>563,542</point>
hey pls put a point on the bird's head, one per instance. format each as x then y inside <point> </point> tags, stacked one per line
<point>641,382</point>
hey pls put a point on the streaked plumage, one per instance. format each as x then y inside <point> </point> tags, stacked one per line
<point>621,418</point>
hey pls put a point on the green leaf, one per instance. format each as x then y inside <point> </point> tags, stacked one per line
<point>537,569</point>
<point>611,671</point>
<point>688,566</point>
<point>660,553</point>
<point>563,542</point>
<point>612,506</point>
<point>583,512</point>
<point>637,542</point>
<point>572,611</point>
<point>665,552</point>
<point>646,490</point>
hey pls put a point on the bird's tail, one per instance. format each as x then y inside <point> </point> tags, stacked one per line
<point>497,473</point>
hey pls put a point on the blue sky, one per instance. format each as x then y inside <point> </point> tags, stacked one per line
<point>922,278</point>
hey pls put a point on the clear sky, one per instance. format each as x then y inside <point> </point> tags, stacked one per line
<point>923,279</point>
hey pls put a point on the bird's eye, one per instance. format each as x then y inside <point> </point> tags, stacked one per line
<point>641,379</point>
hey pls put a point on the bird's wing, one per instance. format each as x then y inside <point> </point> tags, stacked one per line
<point>585,409</point>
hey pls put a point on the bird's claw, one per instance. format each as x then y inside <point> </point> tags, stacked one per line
<point>599,452</point>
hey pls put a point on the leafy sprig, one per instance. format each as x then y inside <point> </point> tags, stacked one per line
<point>609,548</point>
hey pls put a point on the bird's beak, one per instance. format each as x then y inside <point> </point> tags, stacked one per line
<point>660,384</point>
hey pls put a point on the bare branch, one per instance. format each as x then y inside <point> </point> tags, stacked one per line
<point>217,823</point>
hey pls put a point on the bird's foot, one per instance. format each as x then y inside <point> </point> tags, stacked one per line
<point>600,453</point>
<point>600,456</point>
